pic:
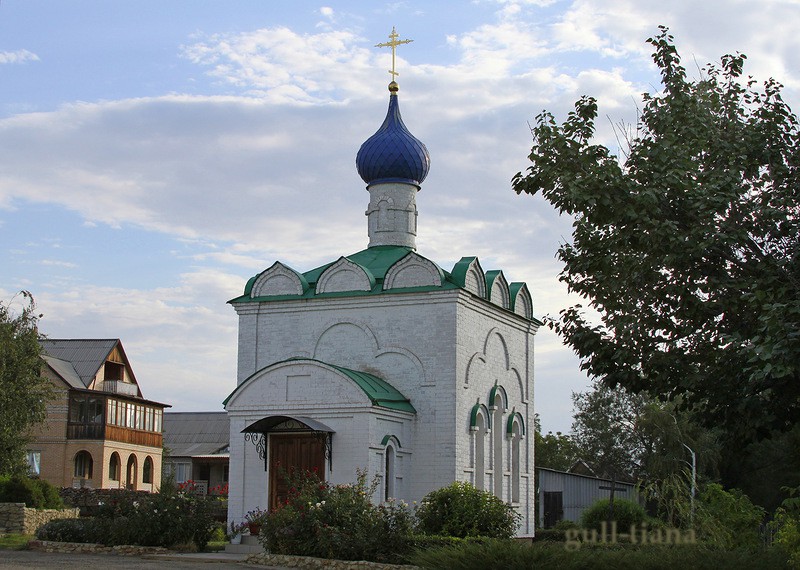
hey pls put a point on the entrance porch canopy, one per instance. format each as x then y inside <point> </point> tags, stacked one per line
<point>257,433</point>
<point>292,423</point>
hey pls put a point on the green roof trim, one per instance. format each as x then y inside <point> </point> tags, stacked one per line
<point>491,276</point>
<point>248,289</point>
<point>493,395</point>
<point>473,416</point>
<point>379,391</point>
<point>389,437</point>
<point>510,423</point>
<point>376,262</point>
<point>460,269</point>
<point>514,290</point>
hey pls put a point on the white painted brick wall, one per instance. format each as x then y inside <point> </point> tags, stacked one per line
<point>423,344</point>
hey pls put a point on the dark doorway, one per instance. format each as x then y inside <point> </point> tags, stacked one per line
<point>553,508</point>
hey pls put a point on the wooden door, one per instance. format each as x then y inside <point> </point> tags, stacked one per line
<point>291,453</point>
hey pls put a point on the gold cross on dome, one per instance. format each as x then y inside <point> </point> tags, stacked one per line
<point>393,43</point>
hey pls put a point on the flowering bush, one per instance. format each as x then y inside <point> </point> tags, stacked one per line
<point>337,521</point>
<point>166,518</point>
<point>220,490</point>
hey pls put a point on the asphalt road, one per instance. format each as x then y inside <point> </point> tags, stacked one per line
<point>46,560</point>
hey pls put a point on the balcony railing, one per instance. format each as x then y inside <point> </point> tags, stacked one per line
<point>134,436</point>
<point>120,387</point>
<point>85,431</point>
<point>114,433</point>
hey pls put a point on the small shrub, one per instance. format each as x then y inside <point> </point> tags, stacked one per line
<point>52,498</point>
<point>73,530</point>
<point>728,518</point>
<point>550,535</point>
<point>787,526</point>
<point>565,524</point>
<point>626,513</point>
<point>35,493</point>
<point>462,510</point>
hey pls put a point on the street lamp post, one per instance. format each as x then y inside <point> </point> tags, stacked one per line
<point>694,481</point>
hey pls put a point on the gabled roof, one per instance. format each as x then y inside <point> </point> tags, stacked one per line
<point>189,434</point>
<point>85,356</point>
<point>65,370</point>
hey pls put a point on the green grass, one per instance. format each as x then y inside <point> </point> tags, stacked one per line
<point>15,541</point>
<point>215,546</point>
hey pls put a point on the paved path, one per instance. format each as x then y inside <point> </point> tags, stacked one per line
<point>56,560</point>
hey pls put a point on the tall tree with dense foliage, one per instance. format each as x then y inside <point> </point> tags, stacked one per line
<point>23,390</point>
<point>633,436</point>
<point>554,450</point>
<point>686,250</point>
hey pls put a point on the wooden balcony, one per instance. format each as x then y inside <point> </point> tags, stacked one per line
<point>134,436</point>
<point>114,433</point>
<point>85,431</point>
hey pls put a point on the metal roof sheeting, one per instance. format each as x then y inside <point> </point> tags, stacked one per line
<point>85,355</point>
<point>192,434</point>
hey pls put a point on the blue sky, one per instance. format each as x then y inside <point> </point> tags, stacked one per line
<point>155,155</point>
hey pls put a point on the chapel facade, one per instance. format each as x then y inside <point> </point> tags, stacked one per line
<point>384,361</point>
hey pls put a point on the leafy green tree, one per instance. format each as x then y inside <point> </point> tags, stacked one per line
<point>23,390</point>
<point>686,249</point>
<point>554,450</point>
<point>633,436</point>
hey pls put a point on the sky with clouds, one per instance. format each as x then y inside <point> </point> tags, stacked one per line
<point>155,155</point>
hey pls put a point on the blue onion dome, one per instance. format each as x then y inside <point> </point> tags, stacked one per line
<point>393,154</point>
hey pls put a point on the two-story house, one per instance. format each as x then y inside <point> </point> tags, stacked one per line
<point>99,431</point>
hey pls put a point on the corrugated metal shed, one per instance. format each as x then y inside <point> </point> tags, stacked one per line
<point>193,434</point>
<point>85,355</point>
<point>578,492</point>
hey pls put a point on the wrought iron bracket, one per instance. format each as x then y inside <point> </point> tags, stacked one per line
<point>326,438</point>
<point>260,441</point>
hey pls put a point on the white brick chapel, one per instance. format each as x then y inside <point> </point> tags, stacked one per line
<point>384,361</point>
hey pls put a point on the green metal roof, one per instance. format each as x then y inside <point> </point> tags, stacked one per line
<point>379,391</point>
<point>376,262</point>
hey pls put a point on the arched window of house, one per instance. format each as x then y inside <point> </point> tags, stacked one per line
<point>516,437</point>
<point>83,465</point>
<point>114,465</point>
<point>480,442</point>
<point>499,404</point>
<point>131,473</point>
<point>389,472</point>
<point>147,470</point>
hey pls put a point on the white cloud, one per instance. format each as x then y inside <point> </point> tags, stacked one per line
<point>19,56</point>
<point>181,340</point>
<point>280,65</point>
<point>267,172</point>
<point>58,263</point>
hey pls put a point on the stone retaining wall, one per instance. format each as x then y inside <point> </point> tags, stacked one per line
<point>123,550</point>
<point>309,563</point>
<point>88,500</point>
<point>16,517</point>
